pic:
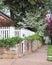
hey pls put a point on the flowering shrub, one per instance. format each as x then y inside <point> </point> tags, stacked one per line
<point>49,26</point>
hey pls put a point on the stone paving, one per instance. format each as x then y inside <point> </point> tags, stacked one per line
<point>39,57</point>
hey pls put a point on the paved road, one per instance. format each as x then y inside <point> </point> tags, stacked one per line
<point>37,58</point>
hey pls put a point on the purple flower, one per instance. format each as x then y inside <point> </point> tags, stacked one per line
<point>49,26</point>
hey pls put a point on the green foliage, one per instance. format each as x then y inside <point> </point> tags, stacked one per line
<point>49,59</point>
<point>10,42</point>
<point>19,7</point>
<point>17,39</point>
<point>49,52</point>
<point>2,43</point>
<point>34,37</point>
<point>32,2</point>
<point>36,7</point>
<point>50,5</point>
<point>35,22</point>
<point>1,5</point>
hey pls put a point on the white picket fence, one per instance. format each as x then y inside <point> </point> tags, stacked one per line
<point>6,32</point>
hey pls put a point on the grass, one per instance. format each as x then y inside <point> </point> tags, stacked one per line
<point>50,59</point>
<point>50,52</point>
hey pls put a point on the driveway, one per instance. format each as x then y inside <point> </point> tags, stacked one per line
<point>39,57</point>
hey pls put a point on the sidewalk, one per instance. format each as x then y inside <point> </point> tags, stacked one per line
<point>37,58</point>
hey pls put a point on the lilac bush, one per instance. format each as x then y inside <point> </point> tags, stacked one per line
<point>49,26</point>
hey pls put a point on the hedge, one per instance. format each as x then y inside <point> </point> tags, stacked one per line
<point>34,37</point>
<point>10,42</point>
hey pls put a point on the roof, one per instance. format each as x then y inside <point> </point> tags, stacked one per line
<point>5,21</point>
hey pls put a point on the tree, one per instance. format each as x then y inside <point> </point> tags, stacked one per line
<point>25,5</point>
<point>18,9</point>
<point>34,22</point>
<point>50,5</point>
<point>1,5</point>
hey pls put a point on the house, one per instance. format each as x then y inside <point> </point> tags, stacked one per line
<point>6,26</point>
<point>8,30</point>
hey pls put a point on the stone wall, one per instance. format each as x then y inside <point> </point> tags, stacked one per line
<point>35,45</point>
<point>12,52</point>
<point>20,49</point>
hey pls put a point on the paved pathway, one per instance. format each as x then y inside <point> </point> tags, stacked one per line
<point>37,58</point>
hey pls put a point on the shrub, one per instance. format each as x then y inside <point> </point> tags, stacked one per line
<point>10,42</point>
<point>17,39</point>
<point>2,43</point>
<point>34,37</point>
